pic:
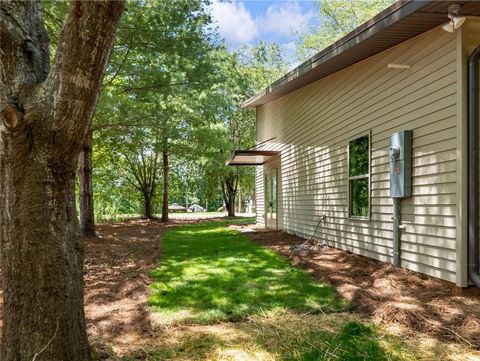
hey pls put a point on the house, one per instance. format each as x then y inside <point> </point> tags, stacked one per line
<point>325,155</point>
<point>194,208</point>
<point>175,207</point>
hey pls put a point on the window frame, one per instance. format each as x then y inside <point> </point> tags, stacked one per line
<point>368,217</point>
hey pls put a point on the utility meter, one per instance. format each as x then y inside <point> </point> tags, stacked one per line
<point>394,152</point>
<point>400,159</point>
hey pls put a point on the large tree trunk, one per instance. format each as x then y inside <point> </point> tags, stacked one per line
<point>42,261</point>
<point>166,189</point>
<point>87,214</point>
<point>45,117</point>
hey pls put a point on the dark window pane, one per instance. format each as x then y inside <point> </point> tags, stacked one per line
<point>358,156</point>
<point>274,193</point>
<point>359,197</point>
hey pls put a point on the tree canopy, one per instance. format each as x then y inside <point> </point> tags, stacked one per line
<point>169,115</point>
<point>337,18</point>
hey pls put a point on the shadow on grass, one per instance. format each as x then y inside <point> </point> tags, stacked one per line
<point>210,273</point>
<point>273,340</point>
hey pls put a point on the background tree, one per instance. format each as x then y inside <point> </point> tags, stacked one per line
<point>114,195</point>
<point>246,72</point>
<point>163,85</point>
<point>41,135</point>
<point>169,72</point>
<point>141,157</point>
<point>337,18</point>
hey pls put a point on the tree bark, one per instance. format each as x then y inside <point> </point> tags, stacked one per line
<point>229,191</point>
<point>45,116</point>
<point>147,203</point>
<point>239,202</point>
<point>166,188</point>
<point>87,213</point>
<point>231,205</point>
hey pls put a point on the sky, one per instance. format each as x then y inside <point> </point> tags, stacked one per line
<point>244,22</point>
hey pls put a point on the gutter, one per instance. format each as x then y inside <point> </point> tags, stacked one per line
<point>473,181</point>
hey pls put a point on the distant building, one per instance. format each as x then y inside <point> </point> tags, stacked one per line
<point>175,207</point>
<point>194,208</point>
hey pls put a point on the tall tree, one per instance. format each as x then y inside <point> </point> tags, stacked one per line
<point>45,117</point>
<point>337,18</point>
<point>246,72</point>
<point>145,171</point>
<point>170,70</point>
<point>137,151</point>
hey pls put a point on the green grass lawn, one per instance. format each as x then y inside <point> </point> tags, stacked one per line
<point>278,337</point>
<point>210,274</point>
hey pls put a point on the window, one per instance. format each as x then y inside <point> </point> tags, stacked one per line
<point>359,177</point>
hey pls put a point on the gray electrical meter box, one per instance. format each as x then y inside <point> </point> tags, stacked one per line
<point>400,159</point>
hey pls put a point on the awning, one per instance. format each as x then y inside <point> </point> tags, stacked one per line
<point>252,157</point>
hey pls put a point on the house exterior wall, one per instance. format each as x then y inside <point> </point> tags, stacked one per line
<point>313,125</point>
<point>260,196</point>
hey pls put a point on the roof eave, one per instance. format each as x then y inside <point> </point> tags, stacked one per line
<point>381,21</point>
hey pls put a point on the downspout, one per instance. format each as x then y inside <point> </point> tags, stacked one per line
<point>473,186</point>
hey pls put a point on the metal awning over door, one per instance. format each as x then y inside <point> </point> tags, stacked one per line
<point>252,157</point>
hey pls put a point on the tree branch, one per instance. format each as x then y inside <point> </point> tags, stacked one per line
<point>79,67</point>
<point>117,72</point>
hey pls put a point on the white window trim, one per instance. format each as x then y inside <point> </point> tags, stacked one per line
<point>369,176</point>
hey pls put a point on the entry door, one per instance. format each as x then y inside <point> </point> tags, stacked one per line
<point>271,199</point>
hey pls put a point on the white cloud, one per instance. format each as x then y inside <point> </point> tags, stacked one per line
<point>283,19</point>
<point>290,54</point>
<point>235,22</point>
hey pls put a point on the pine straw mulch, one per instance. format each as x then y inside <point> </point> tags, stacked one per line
<point>420,305</point>
<point>116,268</point>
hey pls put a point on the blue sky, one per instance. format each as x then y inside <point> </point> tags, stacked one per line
<point>249,21</point>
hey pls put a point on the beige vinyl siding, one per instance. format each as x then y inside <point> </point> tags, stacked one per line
<point>314,124</point>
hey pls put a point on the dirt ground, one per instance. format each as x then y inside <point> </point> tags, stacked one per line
<point>411,303</point>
